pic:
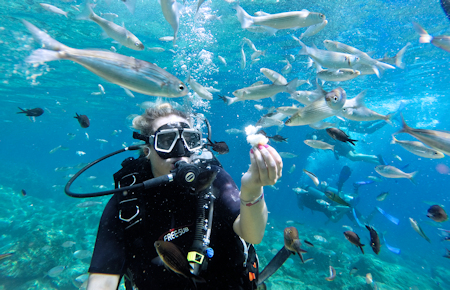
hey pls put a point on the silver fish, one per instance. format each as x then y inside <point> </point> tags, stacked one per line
<point>53,9</point>
<point>439,140</point>
<point>355,109</point>
<point>336,98</point>
<point>128,72</point>
<point>442,41</point>
<point>393,172</point>
<point>312,113</point>
<point>222,60</point>
<point>329,59</point>
<point>397,60</point>
<point>201,91</point>
<point>116,32</point>
<point>308,97</point>
<point>418,229</point>
<point>273,76</point>
<point>313,177</point>
<point>317,144</point>
<point>418,148</point>
<point>284,20</point>
<point>363,57</point>
<point>257,92</point>
<point>243,59</point>
<point>287,68</point>
<point>339,75</point>
<point>171,12</point>
<point>314,29</point>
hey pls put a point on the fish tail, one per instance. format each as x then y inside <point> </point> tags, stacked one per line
<point>23,111</point>
<point>87,13</point>
<point>244,18</point>
<point>424,36</point>
<point>412,177</point>
<point>352,141</point>
<point>292,86</point>
<point>230,100</point>
<point>304,49</point>
<point>43,55</point>
<point>399,56</point>
<point>361,247</point>
<point>405,128</point>
<point>332,148</point>
<point>393,139</point>
<point>44,38</point>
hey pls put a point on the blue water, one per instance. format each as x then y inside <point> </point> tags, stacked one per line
<point>34,226</point>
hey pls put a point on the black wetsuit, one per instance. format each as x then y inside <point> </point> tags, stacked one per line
<point>168,214</point>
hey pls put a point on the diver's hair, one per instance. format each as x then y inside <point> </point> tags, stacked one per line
<point>144,122</point>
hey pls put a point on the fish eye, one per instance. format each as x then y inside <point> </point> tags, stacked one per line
<point>321,15</point>
<point>137,43</point>
<point>335,98</point>
<point>181,88</point>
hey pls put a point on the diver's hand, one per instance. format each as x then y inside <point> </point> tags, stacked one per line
<point>265,169</point>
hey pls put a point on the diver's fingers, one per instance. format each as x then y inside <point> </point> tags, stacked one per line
<point>253,164</point>
<point>261,166</point>
<point>278,160</point>
<point>269,175</point>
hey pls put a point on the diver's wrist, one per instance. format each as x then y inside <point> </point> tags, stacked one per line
<point>251,201</point>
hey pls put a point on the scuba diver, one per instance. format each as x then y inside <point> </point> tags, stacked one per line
<point>344,149</point>
<point>211,221</point>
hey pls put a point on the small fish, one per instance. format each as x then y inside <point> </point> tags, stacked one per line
<point>284,20</point>
<point>369,279</point>
<point>356,110</point>
<point>101,89</point>
<point>119,69</point>
<point>332,274</point>
<point>287,155</point>
<point>374,240</point>
<point>101,140</point>
<point>337,75</point>
<point>23,192</point>
<point>418,148</point>
<point>336,198</point>
<point>71,135</point>
<point>233,131</point>
<point>87,135</point>
<point>83,120</point>
<point>439,140</point>
<point>287,68</point>
<point>336,98</point>
<point>292,242</point>
<point>320,239</point>
<point>317,144</point>
<point>397,157</point>
<point>116,32</point>
<point>55,149</point>
<point>382,196</point>
<point>278,138</point>
<point>173,259</point>
<point>156,49</point>
<point>353,271</point>
<point>222,60</point>
<point>353,238</point>
<point>88,204</point>
<point>323,202</point>
<point>220,147</point>
<point>82,254</point>
<point>389,171</point>
<point>166,38</point>
<point>201,91</point>
<point>292,169</point>
<point>344,175</point>
<point>273,76</point>
<point>171,12</point>
<point>36,112</point>
<point>80,153</point>
<point>393,219</point>
<point>365,182</point>
<point>340,135</point>
<point>314,29</point>
<point>442,41</point>
<point>68,244</point>
<point>4,256</point>
<point>437,213</point>
<point>375,178</point>
<point>312,176</point>
<point>53,9</point>
<point>418,229</point>
<point>55,271</point>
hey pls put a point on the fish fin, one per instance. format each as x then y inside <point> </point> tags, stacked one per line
<point>244,18</point>
<point>412,177</point>
<point>23,111</point>
<point>310,62</point>
<point>42,37</point>
<point>87,13</point>
<point>332,149</point>
<point>405,128</point>
<point>304,49</point>
<point>292,86</point>
<point>424,36</point>
<point>399,56</point>
<point>229,100</point>
<point>359,99</point>
<point>375,69</point>
<point>42,55</point>
<point>351,141</point>
<point>361,247</point>
<point>131,5</point>
<point>393,139</point>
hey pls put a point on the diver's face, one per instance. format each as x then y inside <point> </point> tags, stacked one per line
<point>163,166</point>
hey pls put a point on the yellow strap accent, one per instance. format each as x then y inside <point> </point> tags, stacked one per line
<point>195,257</point>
